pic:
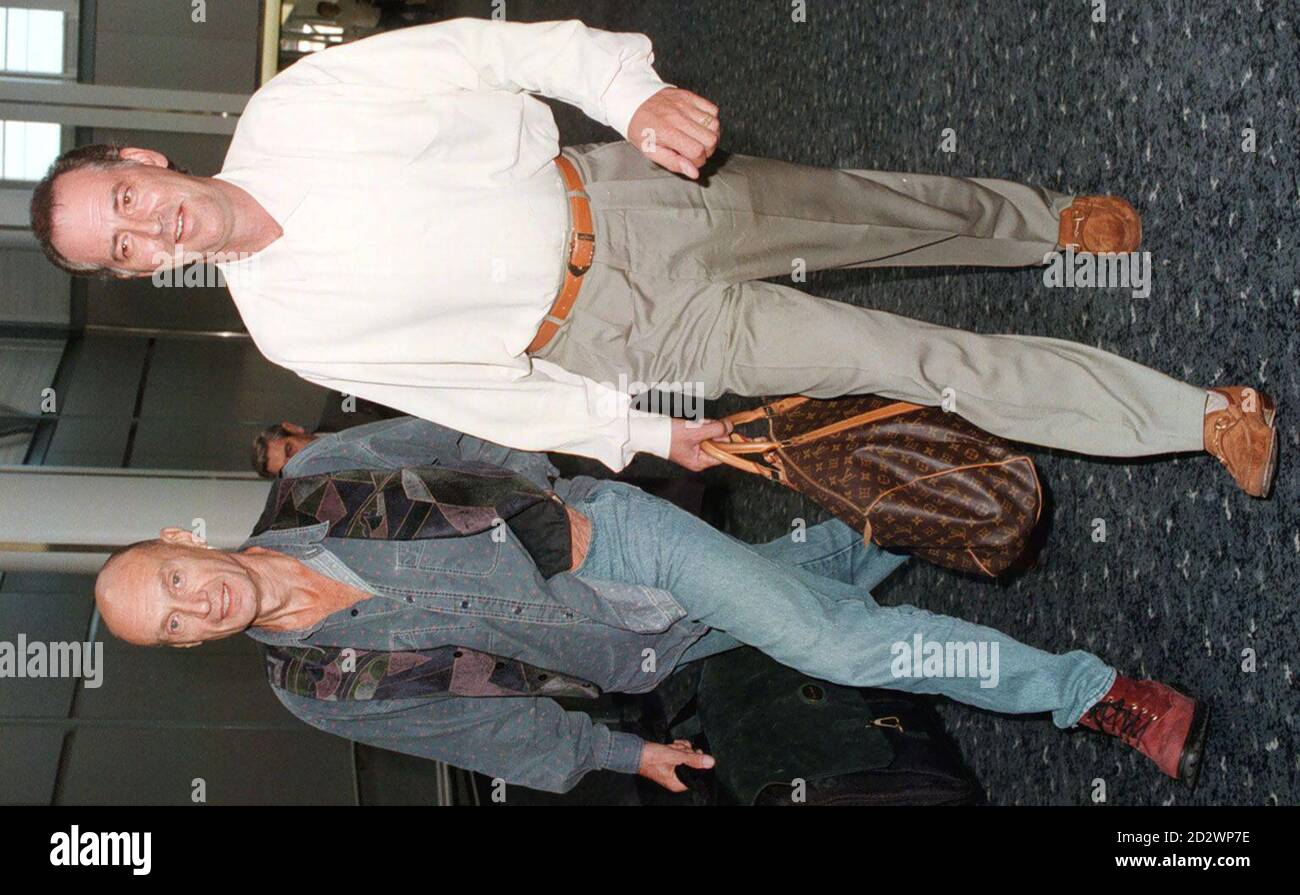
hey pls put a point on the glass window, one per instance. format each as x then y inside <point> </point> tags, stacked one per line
<point>31,40</point>
<point>27,149</point>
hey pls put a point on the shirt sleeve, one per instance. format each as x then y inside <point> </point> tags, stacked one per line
<point>607,75</point>
<point>526,741</point>
<point>547,409</point>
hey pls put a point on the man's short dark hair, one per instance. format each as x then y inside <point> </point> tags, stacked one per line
<point>96,155</point>
<point>261,447</point>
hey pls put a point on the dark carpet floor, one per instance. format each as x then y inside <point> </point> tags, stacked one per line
<point>1151,105</point>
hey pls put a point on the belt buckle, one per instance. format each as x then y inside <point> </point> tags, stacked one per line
<point>579,269</point>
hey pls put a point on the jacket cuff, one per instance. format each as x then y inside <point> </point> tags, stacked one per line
<point>651,433</point>
<point>626,94</point>
<point>622,752</point>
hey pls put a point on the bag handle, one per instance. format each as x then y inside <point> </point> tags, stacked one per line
<point>731,452</point>
<point>871,416</point>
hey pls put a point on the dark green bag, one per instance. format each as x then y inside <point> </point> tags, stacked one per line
<point>781,737</point>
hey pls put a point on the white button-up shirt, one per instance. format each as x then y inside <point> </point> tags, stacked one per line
<point>425,225</point>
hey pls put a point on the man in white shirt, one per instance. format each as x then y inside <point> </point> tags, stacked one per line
<point>395,220</point>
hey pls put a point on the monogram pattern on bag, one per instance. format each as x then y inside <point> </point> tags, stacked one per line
<point>926,482</point>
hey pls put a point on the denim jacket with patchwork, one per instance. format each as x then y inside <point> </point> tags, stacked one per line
<point>482,593</point>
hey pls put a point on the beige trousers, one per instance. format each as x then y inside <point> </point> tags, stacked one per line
<point>675,296</point>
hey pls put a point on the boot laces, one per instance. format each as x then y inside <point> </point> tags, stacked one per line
<point>1128,722</point>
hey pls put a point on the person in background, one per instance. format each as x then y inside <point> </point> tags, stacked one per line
<point>278,443</point>
<point>275,445</point>
<point>404,13</point>
<point>357,18</point>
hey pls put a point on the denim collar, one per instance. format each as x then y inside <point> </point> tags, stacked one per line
<point>301,542</point>
<point>318,559</point>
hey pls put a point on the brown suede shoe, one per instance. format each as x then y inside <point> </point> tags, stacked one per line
<point>1164,724</point>
<point>1244,438</point>
<point>1100,224</point>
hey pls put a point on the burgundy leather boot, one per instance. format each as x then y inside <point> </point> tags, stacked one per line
<point>1162,723</point>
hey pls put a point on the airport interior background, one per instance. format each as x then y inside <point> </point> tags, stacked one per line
<point>1149,104</point>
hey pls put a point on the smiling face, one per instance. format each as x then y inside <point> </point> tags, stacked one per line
<point>139,217</point>
<point>165,593</point>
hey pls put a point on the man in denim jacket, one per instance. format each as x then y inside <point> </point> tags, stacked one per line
<point>649,588</point>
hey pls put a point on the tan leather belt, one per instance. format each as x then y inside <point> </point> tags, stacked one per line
<point>582,250</point>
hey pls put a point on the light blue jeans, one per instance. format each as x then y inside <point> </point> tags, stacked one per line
<point>807,603</point>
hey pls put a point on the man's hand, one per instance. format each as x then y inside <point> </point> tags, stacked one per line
<point>676,129</point>
<point>684,450</point>
<point>659,762</point>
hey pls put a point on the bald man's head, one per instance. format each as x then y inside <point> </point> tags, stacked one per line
<point>174,591</point>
